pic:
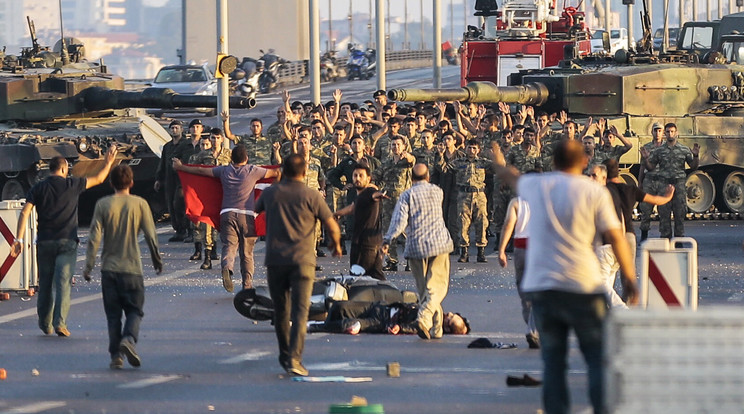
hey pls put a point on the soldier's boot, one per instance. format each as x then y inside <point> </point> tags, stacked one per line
<point>464,258</point>
<point>213,254</point>
<point>497,242</point>
<point>197,252</point>
<point>644,235</point>
<point>207,260</point>
<point>482,255</point>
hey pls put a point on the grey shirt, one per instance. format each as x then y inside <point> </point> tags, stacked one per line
<point>238,184</point>
<point>291,210</point>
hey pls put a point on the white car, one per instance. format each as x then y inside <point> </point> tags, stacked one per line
<point>618,40</point>
<point>186,79</point>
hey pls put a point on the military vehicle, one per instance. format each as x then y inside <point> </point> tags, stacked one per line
<point>57,103</point>
<point>633,91</point>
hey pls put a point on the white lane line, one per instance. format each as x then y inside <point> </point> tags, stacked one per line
<point>96,296</point>
<point>249,356</point>
<point>159,379</point>
<point>35,408</point>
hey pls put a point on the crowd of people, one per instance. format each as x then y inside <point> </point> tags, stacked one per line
<point>428,175</point>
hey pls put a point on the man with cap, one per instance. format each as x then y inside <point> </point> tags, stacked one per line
<point>380,98</point>
<point>168,178</point>
<point>649,180</point>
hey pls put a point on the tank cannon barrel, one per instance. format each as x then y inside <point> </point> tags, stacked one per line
<point>98,98</point>
<point>534,93</point>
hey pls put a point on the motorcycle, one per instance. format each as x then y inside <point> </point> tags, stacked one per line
<point>268,66</point>
<point>329,66</point>
<point>256,303</point>
<point>361,64</point>
<point>244,79</point>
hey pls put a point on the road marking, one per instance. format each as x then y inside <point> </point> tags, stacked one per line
<point>149,282</point>
<point>35,408</point>
<point>159,379</point>
<point>736,297</point>
<point>249,356</point>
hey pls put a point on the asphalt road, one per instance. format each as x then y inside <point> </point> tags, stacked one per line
<point>200,355</point>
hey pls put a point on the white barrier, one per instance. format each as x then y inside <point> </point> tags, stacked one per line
<point>669,274</point>
<point>17,273</point>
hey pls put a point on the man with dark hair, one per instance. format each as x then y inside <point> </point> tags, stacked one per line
<point>237,227</point>
<point>669,161</point>
<point>56,202</point>
<point>561,277</point>
<point>428,244</point>
<point>291,211</point>
<point>167,179</point>
<point>258,146</point>
<point>366,235</point>
<point>117,220</point>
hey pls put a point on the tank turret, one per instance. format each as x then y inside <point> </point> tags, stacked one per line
<point>705,101</point>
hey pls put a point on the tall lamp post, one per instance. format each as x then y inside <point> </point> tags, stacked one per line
<point>437,49</point>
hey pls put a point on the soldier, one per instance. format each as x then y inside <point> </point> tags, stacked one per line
<point>274,131</point>
<point>547,140</point>
<point>471,181</point>
<point>204,234</point>
<point>315,179</point>
<point>650,180</point>
<point>525,155</point>
<point>168,178</point>
<point>381,146</point>
<point>609,151</point>
<point>670,161</point>
<point>426,153</point>
<point>411,132</point>
<point>447,152</point>
<point>260,151</point>
<point>394,177</point>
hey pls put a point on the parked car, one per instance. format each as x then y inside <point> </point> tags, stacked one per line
<point>189,79</point>
<point>673,35</point>
<point>618,40</point>
<point>597,42</point>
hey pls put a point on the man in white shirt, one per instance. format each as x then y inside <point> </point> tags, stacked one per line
<point>562,278</point>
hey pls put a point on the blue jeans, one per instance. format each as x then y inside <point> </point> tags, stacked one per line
<point>555,314</point>
<point>56,260</point>
<point>123,293</point>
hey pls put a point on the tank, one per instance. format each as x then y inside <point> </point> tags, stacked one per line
<point>706,101</point>
<point>57,103</point>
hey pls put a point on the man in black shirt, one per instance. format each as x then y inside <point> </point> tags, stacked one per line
<point>366,236</point>
<point>291,211</point>
<point>56,201</point>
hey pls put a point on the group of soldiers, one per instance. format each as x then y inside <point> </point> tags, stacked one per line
<point>453,139</point>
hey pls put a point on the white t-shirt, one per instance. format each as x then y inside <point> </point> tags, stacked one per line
<point>567,212</point>
<point>523,217</point>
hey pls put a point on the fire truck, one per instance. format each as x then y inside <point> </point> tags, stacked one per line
<point>524,34</point>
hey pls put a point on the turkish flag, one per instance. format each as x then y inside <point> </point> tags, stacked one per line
<point>203,198</point>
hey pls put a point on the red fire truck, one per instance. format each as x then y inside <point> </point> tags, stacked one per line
<point>524,34</point>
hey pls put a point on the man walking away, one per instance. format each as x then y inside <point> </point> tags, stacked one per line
<point>419,212</point>
<point>56,201</point>
<point>118,219</point>
<point>561,278</point>
<point>291,211</point>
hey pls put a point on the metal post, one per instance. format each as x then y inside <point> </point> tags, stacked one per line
<point>421,22</point>
<point>314,65</point>
<point>371,43</point>
<point>330,26</point>
<point>437,43</point>
<point>651,15</point>
<point>182,57</point>
<point>223,90</point>
<point>720,8</point>
<point>731,6</point>
<point>465,9</point>
<point>452,21</point>
<point>708,14</point>
<point>681,13</point>
<point>630,26</point>
<point>694,10</point>
<point>351,22</point>
<point>405,25</point>
<point>665,36</point>
<point>380,27</point>
<point>388,28</point>
<point>608,9</point>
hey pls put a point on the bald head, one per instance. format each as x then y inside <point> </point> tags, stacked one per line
<point>420,172</point>
<point>569,155</point>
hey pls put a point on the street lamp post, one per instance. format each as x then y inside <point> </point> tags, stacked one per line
<point>380,27</point>
<point>437,49</point>
<point>314,65</point>
<point>422,45</point>
<point>405,25</point>
<point>223,91</point>
<point>351,22</point>
<point>330,26</point>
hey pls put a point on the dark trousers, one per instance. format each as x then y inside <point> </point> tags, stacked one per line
<point>123,293</point>
<point>369,258</point>
<point>238,237</point>
<point>176,207</point>
<point>556,313</point>
<point>290,288</point>
<point>370,315</point>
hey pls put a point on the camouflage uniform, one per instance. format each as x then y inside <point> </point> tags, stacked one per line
<point>274,132</point>
<point>203,232</point>
<point>427,157</point>
<point>382,148</point>
<point>224,157</point>
<point>471,200</point>
<point>652,184</point>
<point>393,178</point>
<point>259,149</point>
<point>523,160</point>
<point>448,184</point>
<point>670,167</point>
<point>313,177</point>
<point>547,148</point>
<point>601,153</point>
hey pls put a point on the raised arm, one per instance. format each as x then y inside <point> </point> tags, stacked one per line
<point>226,127</point>
<point>103,173</point>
